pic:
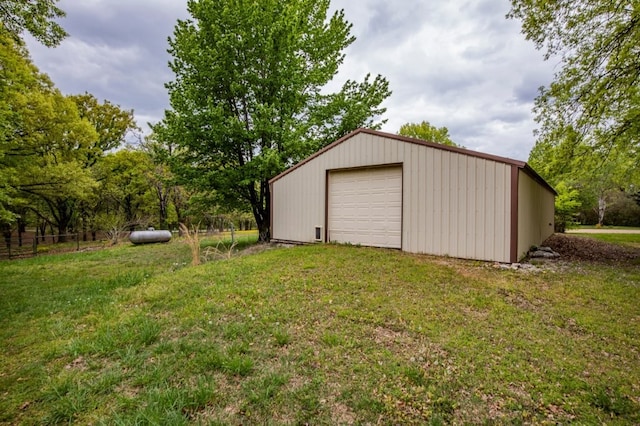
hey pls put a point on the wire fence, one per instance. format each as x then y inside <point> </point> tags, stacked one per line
<point>29,244</point>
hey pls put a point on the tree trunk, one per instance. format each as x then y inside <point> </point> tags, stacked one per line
<point>130,210</point>
<point>263,232</point>
<point>262,220</point>
<point>62,232</point>
<point>6,232</point>
<point>163,206</point>
<point>176,197</point>
<point>22,228</point>
<point>179,213</point>
<point>602,208</point>
<point>261,206</point>
<point>84,227</point>
<point>43,230</point>
<point>65,215</point>
<point>163,216</point>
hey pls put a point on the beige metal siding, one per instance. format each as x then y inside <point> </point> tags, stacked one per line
<point>453,204</point>
<point>298,203</point>
<point>535,213</point>
<point>365,206</point>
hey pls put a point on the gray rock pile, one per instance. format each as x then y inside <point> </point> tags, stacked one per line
<point>526,267</point>
<point>543,253</point>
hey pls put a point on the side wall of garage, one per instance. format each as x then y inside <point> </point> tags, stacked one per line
<point>452,203</point>
<point>535,213</point>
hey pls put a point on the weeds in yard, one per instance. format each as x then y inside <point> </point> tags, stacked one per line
<point>221,250</point>
<point>282,337</point>
<point>192,237</point>
<point>612,401</point>
<point>319,334</point>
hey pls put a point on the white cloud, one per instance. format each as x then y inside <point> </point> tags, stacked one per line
<point>458,64</point>
<point>100,65</point>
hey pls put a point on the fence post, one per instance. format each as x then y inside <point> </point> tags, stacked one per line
<point>77,241</point>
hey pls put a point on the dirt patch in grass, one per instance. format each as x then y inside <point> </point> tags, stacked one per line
<point>519,299</point>
<point>77,364</point>
<point>576,248</point>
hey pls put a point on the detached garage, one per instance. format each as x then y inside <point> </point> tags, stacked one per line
<point>384,190</point>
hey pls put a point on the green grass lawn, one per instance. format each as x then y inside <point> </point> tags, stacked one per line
<point>631,240</point>
<point>577,228</point>
<point>319,334</point>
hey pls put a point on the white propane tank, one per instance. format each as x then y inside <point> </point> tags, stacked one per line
<point>146,237</point>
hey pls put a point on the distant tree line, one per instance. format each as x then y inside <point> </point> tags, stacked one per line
<point>248,101</point>
<point>65,163</point>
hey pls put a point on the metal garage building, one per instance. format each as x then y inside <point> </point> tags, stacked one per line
<point>384,190</point>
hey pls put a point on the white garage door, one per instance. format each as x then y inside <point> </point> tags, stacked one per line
<point>365,207</point>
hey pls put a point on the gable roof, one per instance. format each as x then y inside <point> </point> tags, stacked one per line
<point>520,164</point>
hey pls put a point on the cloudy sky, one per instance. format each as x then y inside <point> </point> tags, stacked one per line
<point>456,63</point>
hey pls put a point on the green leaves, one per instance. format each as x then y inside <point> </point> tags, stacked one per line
<point>111,124</point>
<point>50,144</point>
<point>427,132</point>
<point>247,100</point>
<point>589,134</point>
<point>567,204</point>
<point>596,92</point>
<point>35,16</point>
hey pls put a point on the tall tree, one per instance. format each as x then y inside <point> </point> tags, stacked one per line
<point>606,179</point>
<point>126,190</point>
<point>22,91</point>
<point>167,189</point>
<point>52,151</point>
<point>18,77</point>
<point>44,142</point>
<point>112,124</point>
<point>596,92</point>
<point>556,162</point>
<point>36,17</point>
<point>426,132</point>
<point>247,101</point>
<point>583,175</point>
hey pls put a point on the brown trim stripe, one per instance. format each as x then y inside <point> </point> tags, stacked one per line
<point>326,206</point>
<point>513,249</point>
<point>270,210</point>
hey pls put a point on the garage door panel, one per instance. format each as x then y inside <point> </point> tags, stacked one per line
<point>365,207</point>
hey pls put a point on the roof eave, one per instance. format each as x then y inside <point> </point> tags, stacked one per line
<point>520,164</point>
